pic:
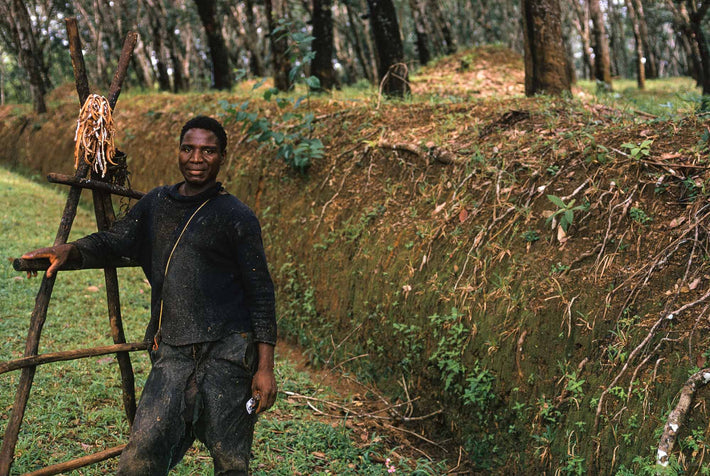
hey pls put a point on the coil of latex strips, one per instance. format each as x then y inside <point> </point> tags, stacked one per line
<point>94,135</point>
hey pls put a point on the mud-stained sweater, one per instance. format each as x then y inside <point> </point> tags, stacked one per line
<point>217,282</point>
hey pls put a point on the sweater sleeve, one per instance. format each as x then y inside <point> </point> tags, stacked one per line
<point>258,286</point>
<point>121,240</point>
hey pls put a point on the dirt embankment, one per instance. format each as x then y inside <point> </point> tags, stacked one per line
<point>505,267</point>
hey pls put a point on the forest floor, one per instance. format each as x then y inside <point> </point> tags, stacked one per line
<point>565,203</point>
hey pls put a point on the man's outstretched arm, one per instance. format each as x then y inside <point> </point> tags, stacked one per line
<point>57,255</point>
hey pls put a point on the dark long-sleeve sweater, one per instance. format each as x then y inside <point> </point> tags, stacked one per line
<point>217,282</point>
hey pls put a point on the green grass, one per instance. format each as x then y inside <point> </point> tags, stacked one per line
<point>75,407</point>
<point>665,98</point>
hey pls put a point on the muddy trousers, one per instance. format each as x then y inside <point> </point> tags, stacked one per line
<point>194,391</point>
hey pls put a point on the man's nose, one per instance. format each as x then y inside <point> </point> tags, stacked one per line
<point>196,155</point>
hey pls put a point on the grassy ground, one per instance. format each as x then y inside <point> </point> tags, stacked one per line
<point>665,98</point>
<point>75,407</point>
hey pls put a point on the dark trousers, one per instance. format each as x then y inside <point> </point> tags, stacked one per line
<point>194,391</point>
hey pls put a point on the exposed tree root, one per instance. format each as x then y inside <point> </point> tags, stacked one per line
<point>677,416</point>
<point>430,151</point>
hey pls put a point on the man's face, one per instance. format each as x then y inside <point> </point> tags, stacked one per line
<point>200,158</point>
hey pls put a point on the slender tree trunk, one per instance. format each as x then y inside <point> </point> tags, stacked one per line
<point>156,19</point>
<point>697,27</point>
<point>29,55</point>
<point>279,46</point>
<point>221,73</point>
<point>142,66</point>
<point>545,65</point>
<point>364,63</point>
<point>617,41</point>
<point>651,64</point>
<point>394,78</point>
<point>442,24</point>
<point>421,33</point>
<point>247,25</point>
<point>640,68</point>
<point>581,23</point>
<point>322,64</point>
<point>688,18</point>
<point>602,65</point>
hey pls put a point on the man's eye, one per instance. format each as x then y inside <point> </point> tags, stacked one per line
<point>185,148</point>
<point>209,151</point>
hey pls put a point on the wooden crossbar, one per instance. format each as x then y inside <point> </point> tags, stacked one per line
<point>79,462</point>
<point>94,185</point>
<point>41,359</point>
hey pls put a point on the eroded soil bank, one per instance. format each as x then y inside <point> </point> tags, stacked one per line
<point>527,275</point>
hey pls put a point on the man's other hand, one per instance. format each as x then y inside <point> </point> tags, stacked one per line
<point>264,381</point>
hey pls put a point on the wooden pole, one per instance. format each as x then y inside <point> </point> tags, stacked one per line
<point>42,264</point>
<point>17,364</point>
<point>94,185</point>
<point>103,209</point>
<point>39,314</point>
<point>78,463</point>
<point>44,294</point>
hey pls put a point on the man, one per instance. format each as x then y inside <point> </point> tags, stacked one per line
<point>212,327</point>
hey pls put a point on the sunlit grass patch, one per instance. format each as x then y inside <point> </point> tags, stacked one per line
<point>665,98</point>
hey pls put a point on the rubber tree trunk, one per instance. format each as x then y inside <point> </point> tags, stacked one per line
<point>279,45</point>
<point>545,64</point>
<point>221,74</point>
<point>322,64</point>
<point>602,63</point>
<point>638,42</point>
<point>359,45</point>
<point>442,25</point>
<point>30,55</point>
<point>688,19</point>
<point>422,36</point>
<point>651,64</point>
<point>394,79</point>
<point>581,23</point>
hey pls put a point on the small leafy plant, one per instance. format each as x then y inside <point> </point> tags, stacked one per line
<point>565,211</point>
<point>296,146</point>
<point>638,151</point>
<point>639,216</point>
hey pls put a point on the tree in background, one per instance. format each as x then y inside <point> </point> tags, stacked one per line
<point>688,16</point>
<point>545,64</point>
<point>581,23</point>
<point>394,78</point>
<point>322,64</point>
<point>221,73</point>
<point>278,39</point>
<point>19,37</point>
<point>602,64</point>
<point>175,53</point>
<point>640,67</point>
<point>421,31</point>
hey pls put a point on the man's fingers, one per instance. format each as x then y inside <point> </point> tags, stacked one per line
<point>40,253</point>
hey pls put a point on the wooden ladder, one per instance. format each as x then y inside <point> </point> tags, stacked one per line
<point>103,209</point>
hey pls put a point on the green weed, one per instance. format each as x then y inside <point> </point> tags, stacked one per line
<point>565,211</point>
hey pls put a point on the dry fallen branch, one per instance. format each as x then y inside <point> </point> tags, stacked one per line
<point>677,416</point>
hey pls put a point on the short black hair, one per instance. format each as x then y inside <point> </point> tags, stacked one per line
<point>209,124</point>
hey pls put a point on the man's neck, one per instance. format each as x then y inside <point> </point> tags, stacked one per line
<point>188,190</point>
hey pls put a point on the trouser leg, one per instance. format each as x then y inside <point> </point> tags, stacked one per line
<point>224,425</point>
<point>160,436</point>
